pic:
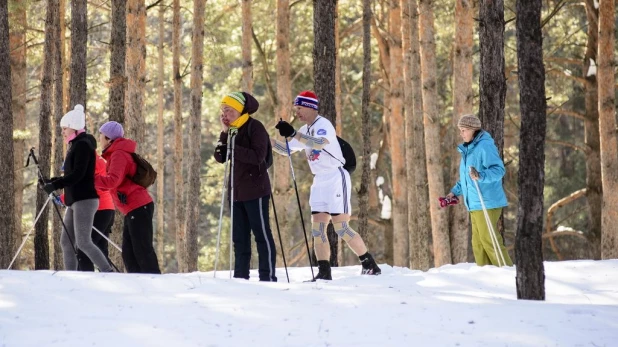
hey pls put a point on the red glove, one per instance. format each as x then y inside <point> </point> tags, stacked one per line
<point>446,201</point>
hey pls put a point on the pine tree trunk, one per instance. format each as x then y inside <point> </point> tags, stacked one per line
<point>195,134</point>
<point>463,97</point>
<point>363,192</point>
<point>66,59</point>
<point>607,125</point>
<point>411,218</point>
<point>160,235</point>
<point>41,240</point>
<point>594,185</point>
<point>247,60</point>
<point>286,207</point>
<point>118,49</point>
<point>324,66</point>
<point>421,238</point>
<point>135,69</point>
<point>7,208</point>
<point>79,43</point>
<point>339,121</point>
<point>492,81</point>
<point>57,143</point>
<point>17,42</point>
<point>530,276</point>
<point>401,243</point>
<point>439,223</point>
<point>117,86</point>
<point>178,210</point>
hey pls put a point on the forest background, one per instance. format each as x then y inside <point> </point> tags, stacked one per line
<point>168,96</point>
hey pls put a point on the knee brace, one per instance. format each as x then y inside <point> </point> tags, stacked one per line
<point>344,231</point>
<point>318,231</point>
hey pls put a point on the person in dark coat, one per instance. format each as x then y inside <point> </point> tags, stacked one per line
<point>80,195</point>
<point>252,190</point>
<point>131,199</point>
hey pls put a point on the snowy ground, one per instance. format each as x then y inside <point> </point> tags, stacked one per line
<point>461,305</point>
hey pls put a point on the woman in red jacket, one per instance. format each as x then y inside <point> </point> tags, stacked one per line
<point>131,199</point>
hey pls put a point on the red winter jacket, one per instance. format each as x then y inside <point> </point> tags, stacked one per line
<point>121,166</point>
<point>105,198</point>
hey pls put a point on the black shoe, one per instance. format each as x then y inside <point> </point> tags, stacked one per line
<point>323,271</point>
<point>369,265</point>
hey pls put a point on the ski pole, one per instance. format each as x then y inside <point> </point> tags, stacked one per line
<point>302,220</point>
<point>492,232</point>
<point>223,191</point>
<point>272,198</point>
<point>233,131</point>
<point>107,238</point>
<point>29,232</point>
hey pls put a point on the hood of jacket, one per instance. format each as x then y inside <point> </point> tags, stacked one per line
<point>120,144</point>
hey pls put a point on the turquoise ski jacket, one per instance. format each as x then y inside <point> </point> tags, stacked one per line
<point>482,154</point>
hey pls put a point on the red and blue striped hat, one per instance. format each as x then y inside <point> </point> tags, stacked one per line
<point>308,99</point>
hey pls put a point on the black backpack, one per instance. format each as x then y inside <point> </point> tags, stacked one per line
<point>348,155</point>
<point>269,150</point>
<point>145,174</point>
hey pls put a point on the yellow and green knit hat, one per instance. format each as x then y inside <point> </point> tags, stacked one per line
<point>235,100</point>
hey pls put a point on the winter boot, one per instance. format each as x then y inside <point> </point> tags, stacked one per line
<point>323,270</point>
<point>369,265</point>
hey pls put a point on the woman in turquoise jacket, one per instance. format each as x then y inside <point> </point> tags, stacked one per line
<point>480,161</point>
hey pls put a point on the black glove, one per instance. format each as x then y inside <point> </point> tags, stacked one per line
<point>285,129</point>
<point>49,187</point>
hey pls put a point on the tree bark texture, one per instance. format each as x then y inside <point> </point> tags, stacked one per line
<point>401,242</point>
<point>247,60</point>
<point>118,49</point>
<point>324,67</point>
<point>41,240</point>
<point>463,99</point>
<point>135,69</point>
<point>421,237</point>
<point>79,45</point>
<point>594,185</point>
<point>161,208</point>
<point>492,83</point>
<point>280,173</point>
<point>607,126</point>
<point>17,42</point>
<point>7,208</point>
<point>410,188</point>
<point>283,108</point>
<point>439,222</point>
<point>530,275</point>
<point>178,210</point>
<point>57,143</point>
<point>363,192</point>
<point>195,134</point>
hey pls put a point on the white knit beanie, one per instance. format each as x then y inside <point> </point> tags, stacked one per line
<point>74,119</point>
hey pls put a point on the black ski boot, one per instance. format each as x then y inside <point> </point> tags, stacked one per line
<point>369,265</point>
<point>323,271</point>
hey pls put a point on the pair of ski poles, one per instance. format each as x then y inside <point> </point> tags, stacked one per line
<point>490,226</point>
<point>230,152</point>
<point>49,198</point>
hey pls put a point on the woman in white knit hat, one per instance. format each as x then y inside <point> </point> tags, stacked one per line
<point>480,162</point>
<point>80,197</point>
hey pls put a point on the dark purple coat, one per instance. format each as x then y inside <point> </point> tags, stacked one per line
<point>250,176</point>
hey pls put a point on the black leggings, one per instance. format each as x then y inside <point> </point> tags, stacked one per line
<point>138,253</point>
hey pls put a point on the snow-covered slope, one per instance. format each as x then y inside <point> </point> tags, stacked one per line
<point>460,305</point>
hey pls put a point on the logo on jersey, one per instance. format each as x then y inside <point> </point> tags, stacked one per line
<point>322,132</point>
<point>315,155</point>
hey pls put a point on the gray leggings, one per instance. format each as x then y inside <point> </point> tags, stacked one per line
<point>78,219</point>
